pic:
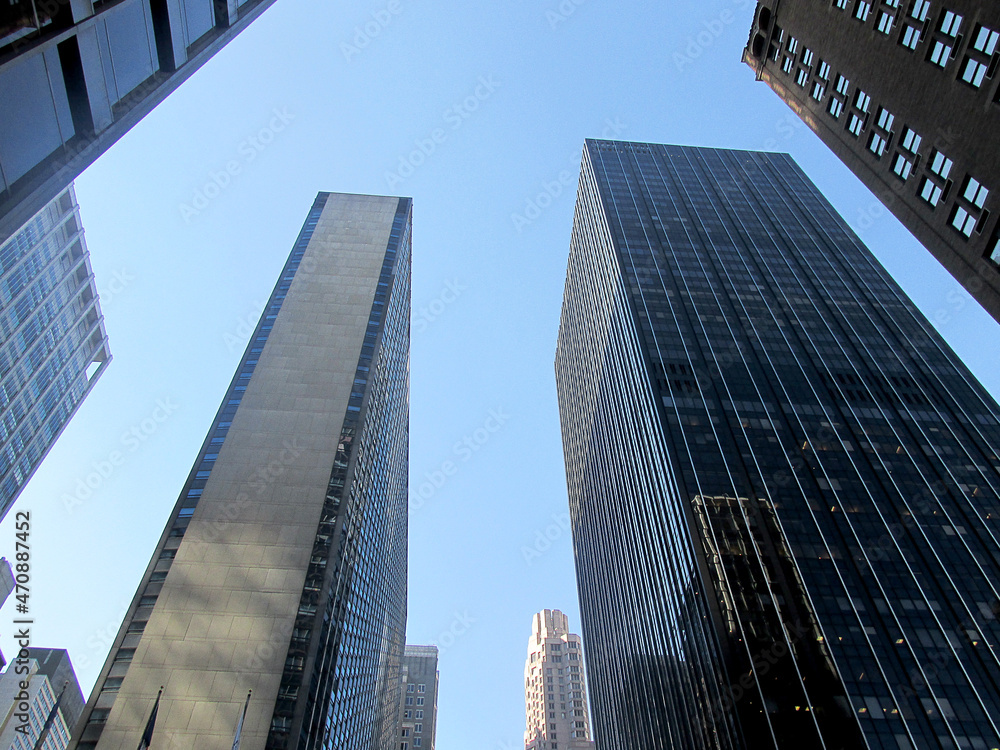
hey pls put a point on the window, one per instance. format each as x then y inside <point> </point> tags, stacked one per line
<point>973,72</point>
<point>885,20</point>
<point>420,714</point>
<point>910,140</point>
<point>941,165</point>
<point>862,9</point>
<point>835,107</point>
<point>992,253</point>
<point>802,78</point>
<point>842,4</point>
<point>910,37</point>
<point>963,221</point>
<point>421,688</point>
<point>877,144</point>
<point>975,193</point>
<point>986,40</point>
<point>793,44</point>
<point>920,9</point>
<point>855,125</point>
<point>787,65</point>
<point>950,23</point>
<point>885,119</point>
<point>842,85</point>
<point>940,53</point>
<point>929,191</point>
<point>862,100</point>
<point>817,91</point>
<point>807,57</point>
<point>420,700</point>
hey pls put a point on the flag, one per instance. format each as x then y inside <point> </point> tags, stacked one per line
<point>239,724</point>
<point>43,735</point>
<point>147,736</point>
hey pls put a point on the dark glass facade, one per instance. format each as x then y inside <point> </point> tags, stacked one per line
<point>783,484</point>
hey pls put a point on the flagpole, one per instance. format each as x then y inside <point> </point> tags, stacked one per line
<point>239,724</point>
<point>147,735</point>
<point>48,722</point>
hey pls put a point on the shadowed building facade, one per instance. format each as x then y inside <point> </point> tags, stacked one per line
<point>906,95</point>
<point>418,699</point>
<point>783,484</point>
<point>76,75</point>
<point>282,568</point>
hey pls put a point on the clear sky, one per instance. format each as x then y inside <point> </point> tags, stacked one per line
<point>478,111</point>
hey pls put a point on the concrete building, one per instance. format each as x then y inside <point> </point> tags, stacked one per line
<point>75,75</point>
<point>418,699</point>
<point>555,688</point>
<point>282,568</point>
<point>53,346</point>
<point>784,486</point>
<point>905,93</point>
<point>27,712</point>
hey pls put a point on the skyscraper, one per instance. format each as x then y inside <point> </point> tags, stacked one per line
<point>418,696</point>
<point>783,484</point>
<point>77,75</point>
<point>555,692</point>
<point>282,568</point>
<point>53,346</point>
<point>41,713</point>
<point>905,94</point>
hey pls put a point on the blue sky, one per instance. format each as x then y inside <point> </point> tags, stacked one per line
<point>478,111</point>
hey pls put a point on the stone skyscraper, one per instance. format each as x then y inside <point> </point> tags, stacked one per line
<point>418,699</point>
<point>282,568</point>
<point>555,691</point>
<point>905,93</point>
<point>784,486</point>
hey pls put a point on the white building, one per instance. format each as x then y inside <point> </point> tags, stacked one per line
<point>19,728</point>
<point>555,693</point>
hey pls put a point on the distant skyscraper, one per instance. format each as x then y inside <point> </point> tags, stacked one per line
<point>75,75</point>
<point>46,709</point>
<point>418,699</point>
<point>905,94</point>
<point>282,568</point>
<point>783,484</point>
<point>555,691</point>
<point>53,347</point>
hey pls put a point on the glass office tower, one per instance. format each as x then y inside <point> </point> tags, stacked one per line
<point>53,346</point>
<point>282,568</point>
<point>783,484</point>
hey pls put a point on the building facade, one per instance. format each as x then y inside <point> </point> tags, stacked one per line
<point>905,93</point>
<point>418,697</point>
<point>53,346</point>
<point>784,486</point>
<point>555,688</point>
<point>42,714</point>
<point>75,75</point>
<point>282,568</point>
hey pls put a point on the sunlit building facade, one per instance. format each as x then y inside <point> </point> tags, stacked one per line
<point>555,687</point>
<point>783,484</point>
<point>906,95</point>
<point>282,567</point>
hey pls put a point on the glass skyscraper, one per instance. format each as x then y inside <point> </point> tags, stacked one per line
<point>783,484</point>
<point>282,568</point>
<point>53,346</point>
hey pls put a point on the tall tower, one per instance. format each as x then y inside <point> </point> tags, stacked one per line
<point>784,486</point>
<point>905,93</point>
<point>418,697</point>
<point>282,569</point>
<point>555,692</point>
<point>53,346</point>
